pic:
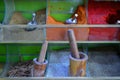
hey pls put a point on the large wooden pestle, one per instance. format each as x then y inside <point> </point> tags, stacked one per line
<point>73,45</point>
<point>41,57</point>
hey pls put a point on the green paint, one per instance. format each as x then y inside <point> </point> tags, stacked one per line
<point>15,52</point>
<point>24,52</point>
<point>29,6</point>
<point>58,48</point>
<point>2,59</point>
<point>29,49</point>
<point>26,58</point>
<point>2,49</point>
<point>27,15</point>
<point>2,7</point>
<point>61,11</point>
<point>13,58</point>
<point>61,17</point>
<point>12,49</point>
<point>2,10</point>
<point>1,17</point>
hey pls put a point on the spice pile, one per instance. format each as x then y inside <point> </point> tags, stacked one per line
<point>81,19</point>
<point>18,18</point>
<point>21,69</point>
<point>55,33</point>
<point>51,20</point>
<point>113,18</point>
<point>99,10</point>
<point>40,16</point>
<point>97,14</point>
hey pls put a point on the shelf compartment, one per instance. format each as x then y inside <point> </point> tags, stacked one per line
<point>60,13</point>
<point>20,13</point>
<point>19,34</point>
<point>17,53</point>
<point>64,9</point>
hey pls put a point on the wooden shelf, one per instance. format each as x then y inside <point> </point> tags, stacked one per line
<point>63,42</point>
<point>62,78</point>
<point>59,26</point>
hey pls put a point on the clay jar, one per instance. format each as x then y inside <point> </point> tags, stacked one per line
<point>39,68</point>
<point>78,66</point>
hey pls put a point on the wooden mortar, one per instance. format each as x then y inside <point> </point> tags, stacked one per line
<point>77,60</point>
<point>40,63</point>
<point>39,68</point>
<point>78,66</point>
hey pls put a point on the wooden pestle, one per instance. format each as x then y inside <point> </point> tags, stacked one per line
<point>41,57</point>
<point>73,45</point>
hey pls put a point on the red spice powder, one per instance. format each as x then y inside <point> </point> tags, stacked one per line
<point>97,14</point>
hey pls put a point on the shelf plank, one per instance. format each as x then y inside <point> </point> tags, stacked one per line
<point>61,78</point>
<point>59,26</point>
<point>61,42</point>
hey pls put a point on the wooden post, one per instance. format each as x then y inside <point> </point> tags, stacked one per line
<point>73,45</point>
